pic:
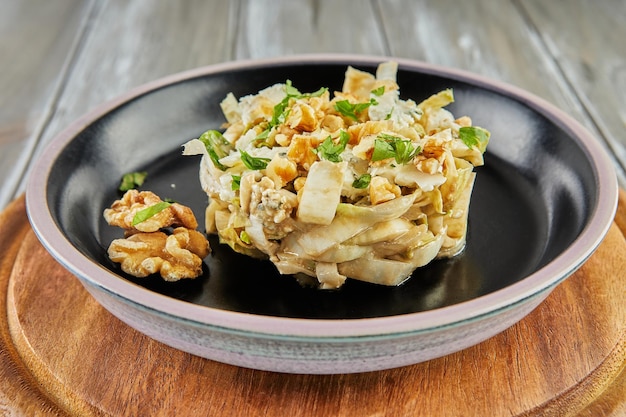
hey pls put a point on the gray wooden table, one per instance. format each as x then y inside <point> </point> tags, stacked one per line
<point>61,58</point>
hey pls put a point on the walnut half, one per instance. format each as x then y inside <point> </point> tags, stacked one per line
<point>148,249</point>
<point>122,213</point>
<point>175,257</point>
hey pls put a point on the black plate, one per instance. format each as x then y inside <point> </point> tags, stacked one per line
<point>531,199</point>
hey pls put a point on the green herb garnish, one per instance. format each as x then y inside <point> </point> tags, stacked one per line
<point>132,180</point>
<point>474,136</point>
<point>281,110</point>
<point>293,92</point>
<point>330,150</point>
<point>362,182</point>
<point>388,146</point>
<point>379,91</point>
<point>216,146</point>
<point>145,214</point>
<point>252,162</point>
<point>236,183</point>
<point>263,135</point>
<point>245,237</point>
<point>352,110</point>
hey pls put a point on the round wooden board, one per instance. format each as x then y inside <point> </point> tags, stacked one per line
<point>63,354</point>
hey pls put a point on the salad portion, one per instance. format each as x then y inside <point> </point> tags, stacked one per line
<point>355,184</point>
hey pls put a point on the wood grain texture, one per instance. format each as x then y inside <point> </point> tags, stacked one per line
<point>566,358</point>
<point>592,60</point>
<point>19,391</point>
<point>497,40</point>
<point>36,41</point>
<point>285,27</point>
<point>131,43</point>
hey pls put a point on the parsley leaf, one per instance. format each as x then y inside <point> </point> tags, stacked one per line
<point>236,182</point>
<point>216,146</point>
<point>383,150</point>
<point>475,136</point>
<point>145,214</point>
<point>263,135</point>
<point>362,182</point>
<point>379,91</point>
<point>317,93</point>
<point>281,110</point>
<point>352,110</point>
<point>291,90</point>
<point>132,180</point>
<point>388,146</point>
<point>331,151</point>
<point>252,162</point>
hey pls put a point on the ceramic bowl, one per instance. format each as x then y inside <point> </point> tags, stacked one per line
<point>542,203</point>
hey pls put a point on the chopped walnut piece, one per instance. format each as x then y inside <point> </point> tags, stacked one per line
<point>175,257</point>
<point>302,118</point>
<point>301,151</point>
<point>281,170</point>
<point>382,190</point>
<point>122,213</point>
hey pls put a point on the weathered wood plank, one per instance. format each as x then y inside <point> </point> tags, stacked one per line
<point>482,36</point>
<point>36,41</point>
<point>283,27</point>
<point>130,43</point>
<point>587,40</point>
<point>492,39</point>
<point>152,39</point>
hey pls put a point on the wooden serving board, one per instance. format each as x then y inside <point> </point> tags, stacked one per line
<point>63,354</point>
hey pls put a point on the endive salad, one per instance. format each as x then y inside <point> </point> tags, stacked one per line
<point>359,184</point>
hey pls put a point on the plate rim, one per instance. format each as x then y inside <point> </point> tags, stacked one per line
<point>544,279</point>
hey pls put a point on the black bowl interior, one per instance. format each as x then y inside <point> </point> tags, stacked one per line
<point>531,199</point>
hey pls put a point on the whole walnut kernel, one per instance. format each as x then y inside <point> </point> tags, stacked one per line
<point>174,257</point>
<point>123,211</point>
<point>149,247</point>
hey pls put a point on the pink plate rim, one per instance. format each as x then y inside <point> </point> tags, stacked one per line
<point>538,282</point>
